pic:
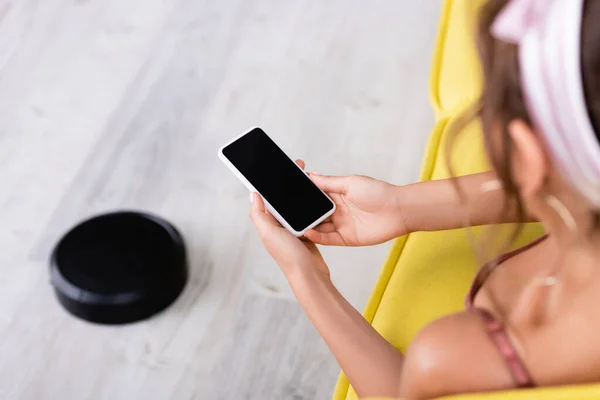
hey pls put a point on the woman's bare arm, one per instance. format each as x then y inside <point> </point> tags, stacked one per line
<point>373,366</point>
<point>436,205</point>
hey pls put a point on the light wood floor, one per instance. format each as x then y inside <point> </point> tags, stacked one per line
<point>111,104</point>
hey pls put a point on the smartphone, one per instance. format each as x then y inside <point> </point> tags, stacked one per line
<point>289,194</point>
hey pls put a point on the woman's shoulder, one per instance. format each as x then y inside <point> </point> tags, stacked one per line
<point>454,354</point>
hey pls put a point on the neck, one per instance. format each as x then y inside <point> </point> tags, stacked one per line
<point>575,253</point>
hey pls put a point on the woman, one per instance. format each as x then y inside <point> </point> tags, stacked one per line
<point>531,318</point>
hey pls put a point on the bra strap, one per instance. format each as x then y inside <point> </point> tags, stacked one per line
<point>506,348</point>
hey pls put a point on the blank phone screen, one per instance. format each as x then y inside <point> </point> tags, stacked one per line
<point>278,179</point>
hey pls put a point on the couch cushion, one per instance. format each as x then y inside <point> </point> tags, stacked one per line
<point>580,392</point>
<point>455,78</point>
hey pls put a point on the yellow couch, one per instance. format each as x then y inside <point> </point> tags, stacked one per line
<point>427,274</point>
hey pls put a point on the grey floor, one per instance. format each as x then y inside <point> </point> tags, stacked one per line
<point>122,104</point>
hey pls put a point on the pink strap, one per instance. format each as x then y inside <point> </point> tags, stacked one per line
<point>475,289</point>
<point>506,348</point>
<point>496,330</point>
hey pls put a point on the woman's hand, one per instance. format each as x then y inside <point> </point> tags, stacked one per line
<point>294,256</point>
<point>372,364</point>
<point>368,212</point>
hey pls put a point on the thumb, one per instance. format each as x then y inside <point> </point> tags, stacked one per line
<point>334,184</point>
<point>261,218</point>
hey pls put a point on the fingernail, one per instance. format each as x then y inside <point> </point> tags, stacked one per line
<point>251,197</point>
<point>315,173</point>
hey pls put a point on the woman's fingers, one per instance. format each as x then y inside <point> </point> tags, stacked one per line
<point>327,239</point>
<point>334,184</point>
<point>325,227</point>
<point>261,218</point>
<point>301,163</point>
<point>257,203</point>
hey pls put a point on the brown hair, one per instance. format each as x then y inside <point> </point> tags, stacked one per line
<point>502,99</point>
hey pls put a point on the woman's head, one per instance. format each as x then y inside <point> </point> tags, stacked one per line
<point>516,146</point>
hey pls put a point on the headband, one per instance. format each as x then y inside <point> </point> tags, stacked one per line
<point>548,33</point>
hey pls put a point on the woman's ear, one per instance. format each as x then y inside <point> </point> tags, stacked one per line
<point>531,165</point>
